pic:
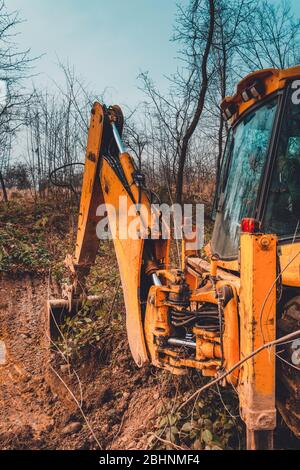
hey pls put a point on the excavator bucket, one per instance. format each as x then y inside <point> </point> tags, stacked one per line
<point>58,310</point>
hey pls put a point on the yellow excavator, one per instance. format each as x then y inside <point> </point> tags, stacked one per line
<point>235,315</point>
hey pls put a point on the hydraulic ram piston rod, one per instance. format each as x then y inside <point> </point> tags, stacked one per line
<point>118,139</point>
<point>182,342</point>
<point>156,280</point>
<point>122,149</point>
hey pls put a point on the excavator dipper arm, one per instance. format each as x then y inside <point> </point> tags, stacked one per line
<point>112,184</point>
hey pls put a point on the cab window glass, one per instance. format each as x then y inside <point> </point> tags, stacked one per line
<point>282,213</point>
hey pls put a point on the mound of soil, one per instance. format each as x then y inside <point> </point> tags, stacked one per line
<point>40,391</point>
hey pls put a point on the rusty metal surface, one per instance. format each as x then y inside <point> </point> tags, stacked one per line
<point>259,440</point>
<point>201,266</point>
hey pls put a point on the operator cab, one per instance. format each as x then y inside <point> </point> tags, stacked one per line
<point>260,169</point>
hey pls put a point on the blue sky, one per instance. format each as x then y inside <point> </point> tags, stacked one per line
<point>108,41</point>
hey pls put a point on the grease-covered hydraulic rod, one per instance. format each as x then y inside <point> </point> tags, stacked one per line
<point>118,139</point>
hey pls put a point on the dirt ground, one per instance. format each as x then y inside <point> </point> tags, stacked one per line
<point>37,411</point>
<point>95,397</point>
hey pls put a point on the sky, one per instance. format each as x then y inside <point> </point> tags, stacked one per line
<point>109,42</point>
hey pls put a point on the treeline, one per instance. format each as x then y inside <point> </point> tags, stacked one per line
<point>177,138</point>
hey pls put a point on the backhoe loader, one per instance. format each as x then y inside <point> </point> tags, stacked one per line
<point>222,314</point>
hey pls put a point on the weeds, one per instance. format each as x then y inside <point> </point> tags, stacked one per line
<point>88,330</point>
<point>19,250</point>
<point>33,237</point>
<point>207,424</point>
<point>36,238</point>
<point>94,327</point>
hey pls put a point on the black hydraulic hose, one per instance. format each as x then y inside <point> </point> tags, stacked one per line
<point>116,166</point>
<point>61,184</point>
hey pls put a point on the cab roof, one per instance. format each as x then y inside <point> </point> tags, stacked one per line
<point>270,81</point>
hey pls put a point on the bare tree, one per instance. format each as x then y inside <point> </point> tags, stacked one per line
<point>175,136</point>
<point>195,50</point>
<point>56,129</point>
<point>14,67</point>
<point>271,37</point>
<point>179,113</point>
<point>135,135</point>
<point>54,139</point>
<point>249,35</point>
<point>231,20</point>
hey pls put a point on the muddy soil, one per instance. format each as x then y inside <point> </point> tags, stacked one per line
<point>37,411</point>
<point>48,403</point>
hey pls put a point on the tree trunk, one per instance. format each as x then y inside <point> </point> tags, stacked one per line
<point>3,187</point>
<point>223,76</point>
<point>220,148</point>
<point>199,108</point>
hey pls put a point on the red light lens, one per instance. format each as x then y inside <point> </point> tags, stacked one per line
<point>249,225</point>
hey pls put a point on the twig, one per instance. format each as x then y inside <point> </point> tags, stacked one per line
<point>269,293</point>
<point>167,442</point>
<point>70,367</point>
<point>224,404</point>
<point>238,365</point>
<point>120,427</point>
<point>78,405</point>
<point>114,299</point>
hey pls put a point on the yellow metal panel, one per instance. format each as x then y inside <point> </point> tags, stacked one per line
<point>290,264</point>
<point>91,196</point>
<point>258,326</point>
<point>129,255</point>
